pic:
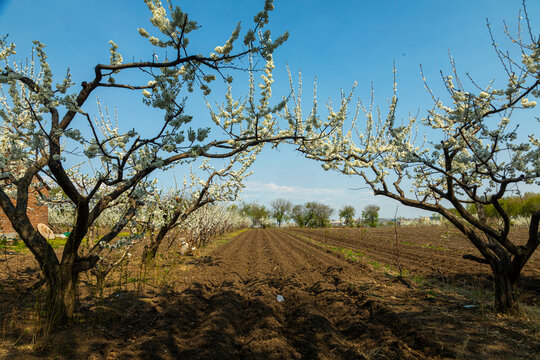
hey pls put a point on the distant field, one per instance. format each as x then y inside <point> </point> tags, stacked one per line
<point>424,251</point>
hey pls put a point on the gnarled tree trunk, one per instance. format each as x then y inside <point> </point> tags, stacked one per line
<point>61,293</point>
<point>506,290</point>
<point>150,251</point>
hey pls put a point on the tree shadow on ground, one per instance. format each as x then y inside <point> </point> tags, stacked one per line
<point>236,317</point>
<point>96,329</point>
<point>481,286</point>
<point>248,322</point>
<point>205,260</point>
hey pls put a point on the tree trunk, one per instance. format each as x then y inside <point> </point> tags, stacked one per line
<point>61,294</point>
<point>506,290</point>
<point>100,282</point>
<point>149,252</point>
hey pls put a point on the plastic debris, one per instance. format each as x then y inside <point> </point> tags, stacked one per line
<point>280,298</point>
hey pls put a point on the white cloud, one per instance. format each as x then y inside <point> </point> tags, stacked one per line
<point>255,188</point>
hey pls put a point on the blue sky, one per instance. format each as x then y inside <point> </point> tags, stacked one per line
<point>336,41</point>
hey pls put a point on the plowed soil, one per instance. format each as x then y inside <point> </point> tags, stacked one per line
<point>429,251</point>
<point>272,294</point>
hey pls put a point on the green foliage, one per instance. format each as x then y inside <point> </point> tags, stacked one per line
<point>514,206</point>
<point>347,214</point>
<point>318,214</point>
<point>298,215</point>
<point>257,213</point>
<point>370,215</point>
<point>280,210</point>
<point>312,214</point>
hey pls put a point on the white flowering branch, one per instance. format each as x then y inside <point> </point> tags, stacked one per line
<point>473,162</point>
<point>40,133</point>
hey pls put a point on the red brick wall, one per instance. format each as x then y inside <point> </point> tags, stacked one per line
<point>38,213</point>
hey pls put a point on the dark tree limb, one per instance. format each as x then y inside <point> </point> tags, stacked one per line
<point>475,258</point>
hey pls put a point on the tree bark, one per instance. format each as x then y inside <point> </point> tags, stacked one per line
<point>150,251</point>
<point>61,294</point>
<point>506,290</point>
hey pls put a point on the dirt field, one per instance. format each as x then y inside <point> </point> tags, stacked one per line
<point>433,252</point>
<point>226,305</point>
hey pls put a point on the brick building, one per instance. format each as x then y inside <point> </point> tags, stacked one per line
<point>36,210</point>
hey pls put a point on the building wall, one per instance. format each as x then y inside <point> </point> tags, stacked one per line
<point>38,213</point>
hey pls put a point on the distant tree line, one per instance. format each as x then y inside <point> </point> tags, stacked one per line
<point>514,206</point>
<point>311,214</point>
<point>315,214</point>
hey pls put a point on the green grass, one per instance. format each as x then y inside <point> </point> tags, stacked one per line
<point>428,246</point>
<point>348,253</point>
<point>228,237</point>
<point>57,242</point>
<point>20,246</point>
<point>420,280</point>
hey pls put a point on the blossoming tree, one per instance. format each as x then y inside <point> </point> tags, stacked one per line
<point>213,220</point>
<point>166,212</point>
<point>473,156</point>
<point>41,129</point>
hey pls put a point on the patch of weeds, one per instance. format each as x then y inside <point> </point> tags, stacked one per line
<point>535,328</point>
<point>348,253</point>
<point>56,243</point>
<point>377,265</point>
<point>405,273</point>
<point>430,246</point>
<point>470,293</point>
<point>419,280</point>
<point>18,246</point>
<point>228,237</point>
<point>389,268</point>
<point>427,246</point>
<point>532,314</point>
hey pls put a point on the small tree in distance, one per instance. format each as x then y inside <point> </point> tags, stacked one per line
<point>317,214</point>
<point>370,215</point>
<point>280,210</point>
<point>258,213</point>
<point>298,215</point>
<point>312,214</point>
<point>347,214</point>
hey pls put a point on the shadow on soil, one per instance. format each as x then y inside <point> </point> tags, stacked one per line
<point>480,286</point>
<point>244,320</point>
